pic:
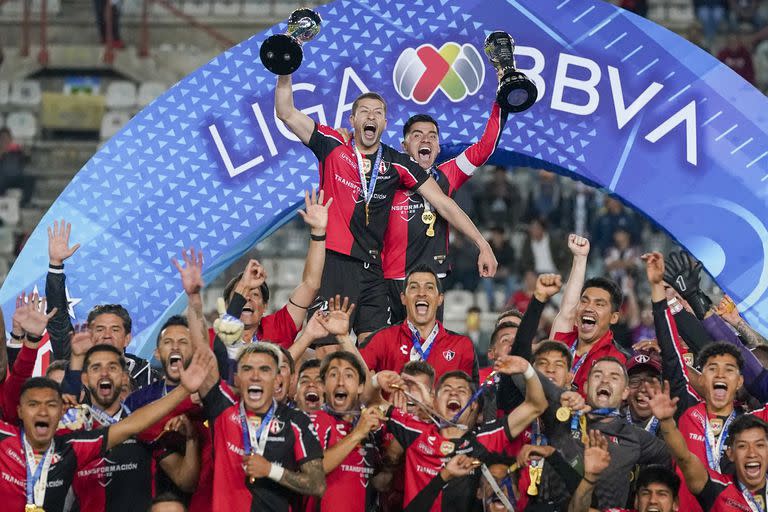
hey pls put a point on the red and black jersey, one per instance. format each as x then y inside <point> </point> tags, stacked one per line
<point>426,451</point>
<point>291,443</point>
<point>390,349</point>
<point>722,494</point>
<point>72,452</point>
<point>347,230</point>
<point>348,486</point>
<point>406,244</point>
<point>604,347</point>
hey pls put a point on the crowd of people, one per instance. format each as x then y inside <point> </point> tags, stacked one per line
<point>353,396</point>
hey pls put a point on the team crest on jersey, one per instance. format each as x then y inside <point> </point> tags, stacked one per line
<point>688,358</point>
<point>449,355</point>
<point>446,447</point>
<point>717,425</point>
<point>276,426</point>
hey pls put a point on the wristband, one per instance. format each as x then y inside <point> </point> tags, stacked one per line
<point>590,482</point>
<point>34,339</point>
<point>317,238</point>
<point>375,381</point>
<point>529,372</point>
<point>275,472</point>
<point>17,337</point>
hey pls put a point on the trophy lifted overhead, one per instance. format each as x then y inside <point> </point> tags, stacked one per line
<point>516,91</point>
<point>281,53</point>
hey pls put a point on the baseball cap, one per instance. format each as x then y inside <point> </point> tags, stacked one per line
<point>644,360</point>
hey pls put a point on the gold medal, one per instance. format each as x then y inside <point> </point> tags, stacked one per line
<point>33,508</point>
<point>563,414</point>
<point>446,447</point>
<point>759,500</point>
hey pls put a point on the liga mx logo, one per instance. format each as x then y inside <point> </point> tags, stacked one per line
<point>455,69</point>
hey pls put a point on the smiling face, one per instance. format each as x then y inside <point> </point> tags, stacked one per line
<point>109,329</point>
<point>655,497</point>
<point>283,381</point>
<point>174,350</point>
<point>452,395</point>
<point>254,309</point>
<point>40,410</point>
<point>638,400</point>
<point>606,385</point>
<point>722,379</point>
<point>255,379</point>
<point>554,366</point>
<point>309,394</point>
<point>368,122</point>
<point>422,143</point>
<point>749,453</point>
<point>594,315</point>
<point>421,298</point>
<point>342,386</point>
<point>104,378</point>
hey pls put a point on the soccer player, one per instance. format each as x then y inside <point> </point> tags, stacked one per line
<point>644,367</point>
<point>122,479</point>
<point>265,454</point>
<point>416,235</point>
<point>362,177</point>
<point>744,488</point>
<point>310,390</point>
<point>587,312</point>
<point>33,454</point>
<point>502,338</point>
<point>420,337</point>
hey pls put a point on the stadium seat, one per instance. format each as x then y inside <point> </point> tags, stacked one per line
<point>197,7</point>
<point>112,122</point>
<point>159,10</point>
<point>23,125</point>
<point>148,91</point>
<point>9,213</point>
<point>26,93</point>
<point>227,7</point>
<point>457,302</point>
<point>132,7</point>
<point>5,92</point>
<point>12,7</point>
<point>121,94</point>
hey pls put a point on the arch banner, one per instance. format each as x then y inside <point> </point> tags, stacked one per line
<point>623,104</point>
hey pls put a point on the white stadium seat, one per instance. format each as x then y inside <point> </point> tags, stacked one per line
<point>112,122</point>
<point>197,7</point>
<point>26,93</point>
<point>121,94</point>
<point>23,125</point>
<point>148,91</point>
<point>227,7</point>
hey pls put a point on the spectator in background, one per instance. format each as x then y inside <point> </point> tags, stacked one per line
<point>542,253</point>
<point>522,297</point>
<point>463,256</point>
<point>695,35</point>
<point>737,56</point>
<point>12,162</point>
<point>639,7</point>
<point>505,273</point>
<point>100,7</point>
<point>744,11</point>
<point>711,14</point>
<point>622,259</point>
<point>614,216</point>
<point>500,200</point>
<point>544,199</point>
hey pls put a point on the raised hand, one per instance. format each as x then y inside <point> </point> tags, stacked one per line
<point>389,381</point>
<point>486,262</point>
<point>180,424</point>
<point>574,401</point>
<point>547,286</point>
<point>683,273</point>
<point>370,420</point>
<point>458,466</point>
<point>727,310</point>
<point>81,340</point>
<point>662,406</point>
<point>531,452</point>
<point>192,271</point>
<point>315,213</point>
<point>34,319</point>
<point>597,458</point>
<point>578,245</point>
<point>18,315</point>
<point>58,243</point>
<point>336,319</point>
<point>510,365</point>
<point>654,267</point>
<point>254,276</point>
<point>202,364</point>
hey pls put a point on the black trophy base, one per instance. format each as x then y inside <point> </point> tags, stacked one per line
<point>516,92</point>
<point>281,54</point>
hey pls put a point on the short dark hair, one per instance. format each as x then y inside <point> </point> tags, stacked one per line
<point>456,374</point>
<point>40,383</point>
<point>554,346</point>
<point>742,423</point>
<point>308,365</point>
<point>608,285</point>
<point>423,268</point>
<point>289,358</point>
<point>260,348</point>
<point>263,288</point>
<point>420,368</point>
<point>510,312</point>
<point>499,328</point>
<point>611,359</point>
<point>167,497</point>
<point>344,356</point>
<point>59,364</point>
<point>419,118</point>
<point>371,96</point>
<point>658,474</point>
<point>111,309</point>
<point>174,320</point>
<point>103,347</point>
<point>720,348</point>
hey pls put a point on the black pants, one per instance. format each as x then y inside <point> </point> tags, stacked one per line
<point>100,6</point>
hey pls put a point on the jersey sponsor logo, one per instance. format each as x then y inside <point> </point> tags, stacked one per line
<point>236,449</point>
<point>696,437</point>
<point>449,355</point>
<point>455,69</point>
<point>425,449</point>
<point>12,454</point>
<point>107,468</point>
<point>55,483</point>
<point>431,440</point>
<point>427,470</point>
<point>404,350</point>
<point>14,481</point>
<point>341,429</point>
<point>409,207</point>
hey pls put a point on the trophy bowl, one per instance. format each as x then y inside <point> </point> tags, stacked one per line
<point>281,53</point>
<point>516,91</point>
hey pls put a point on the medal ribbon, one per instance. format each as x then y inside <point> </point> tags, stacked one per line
<point>418,349</point>
<point>652,426</point>
<point>753,504</point>
<point>355,413</point>
<point>537,438</point>
<point>367,187</point>
<point>496,489</point>
<point>715,447</point>
<point>576,364</point>
<point>491,380</point>
<point>257,439</point>
<point>104,417</point>
<point>37,482</point>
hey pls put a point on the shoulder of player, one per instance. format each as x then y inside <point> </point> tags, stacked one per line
<point>382,333</point>
<point>286,413</point>
<point>489,428</point>
<point>456,336</point>
<point>330,133</point>
<point>7,430</point>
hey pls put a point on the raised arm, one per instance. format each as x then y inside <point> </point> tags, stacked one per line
<point>183,470</point>
<point>450,211</point>
<point>297,121</point>
<point>370,420</point>
<point>728,312</point>
<point>566,317</point>
<point>316,217</point>
<point>192,281</point>
<point>535,401</point>
<point>60,326</point>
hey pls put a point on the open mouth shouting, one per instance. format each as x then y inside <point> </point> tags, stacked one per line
<point>175,362</point>
<point>339,398</point>
<point>42,429</point>
<point>720,390</point>
<point>255,393</point>
<point>105,388</point>
<point>421,307</point>
<point>369,133</point>
<point>496,504</point>
<point>453,406</point>
<point>603,395</point>
<point>753,470</point>
<point>312,399</point>
<point>424,156</point>
<point>588,323</point>
<point>653,508</point>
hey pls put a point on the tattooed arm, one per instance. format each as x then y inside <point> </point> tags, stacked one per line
<point>309,480</point>
<point>751,337</point>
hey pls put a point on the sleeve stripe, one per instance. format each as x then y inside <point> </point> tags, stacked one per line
<point>10,433</point>
<point>406,427</point>
<point>227,394</point>
<point>490,432</point>
<point>331,135</point>
<point>99,439</point>
<point>463,163</point>
<point>300,438</point>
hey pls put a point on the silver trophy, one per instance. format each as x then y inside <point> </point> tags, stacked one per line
<point>516,91</point>
<point>281,53</point>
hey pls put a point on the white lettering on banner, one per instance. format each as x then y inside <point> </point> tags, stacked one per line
<point>624,113</point>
